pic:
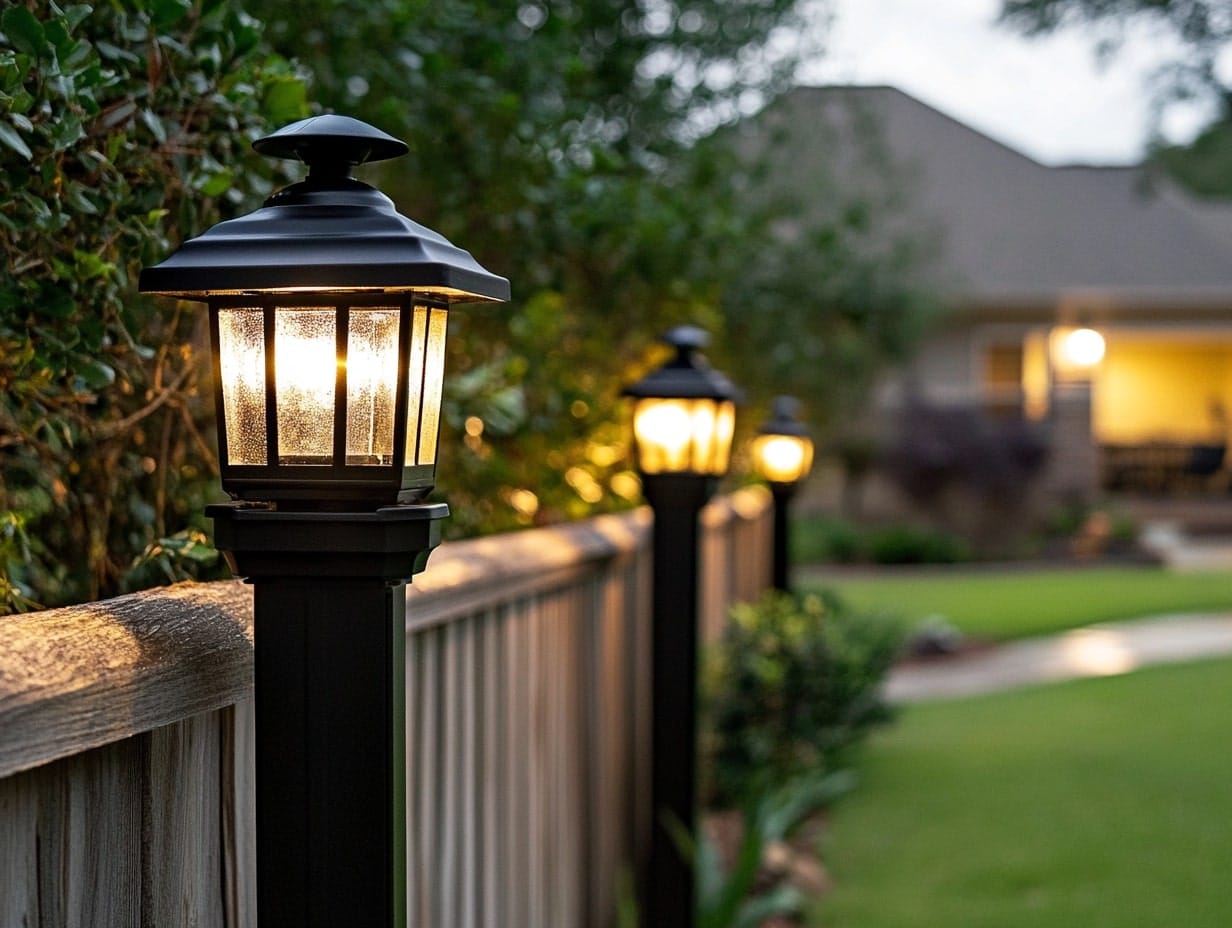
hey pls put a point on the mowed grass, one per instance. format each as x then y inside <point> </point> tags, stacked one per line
<point>1096,804</point>
<point>1018,603</point>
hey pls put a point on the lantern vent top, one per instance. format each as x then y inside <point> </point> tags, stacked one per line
<point>331,144</point>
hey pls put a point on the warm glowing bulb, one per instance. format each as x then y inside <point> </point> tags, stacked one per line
<point>305,375</point>
<point>662,430</point>
<point>783,458</point>
<point>1084,347</point>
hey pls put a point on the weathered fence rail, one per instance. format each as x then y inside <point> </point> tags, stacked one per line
<point>126,766</point>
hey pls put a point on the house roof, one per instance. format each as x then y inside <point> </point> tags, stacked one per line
<point>1009,231</point>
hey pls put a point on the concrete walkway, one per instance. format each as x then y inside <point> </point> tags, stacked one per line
<point>1098,650</point>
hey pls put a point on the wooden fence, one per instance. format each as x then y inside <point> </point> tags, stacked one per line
<point>126,757</point>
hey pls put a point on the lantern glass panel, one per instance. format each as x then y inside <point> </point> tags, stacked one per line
<point>305,378</point>
<point>241,348</point>
<point>683,435</point>
<point>783,458</point>
<point>725,429</point>
<point>427,361</point>
<point>372,382</point>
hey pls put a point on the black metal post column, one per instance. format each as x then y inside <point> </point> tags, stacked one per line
<point>676,500</point>
<point>330,700</point>
<point>782,494</point>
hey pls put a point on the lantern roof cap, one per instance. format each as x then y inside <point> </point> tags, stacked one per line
<point>688,375</point>
<point>784,419</point>
<point>328,232</point>
<point>331,139</point>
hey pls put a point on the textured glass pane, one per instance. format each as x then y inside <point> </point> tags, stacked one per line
<point>702,425</point>
<point>434,376</point>
<point>372,382</point>
<point>662,431</point>
<point>676,435</point>
<point>241,348</point>
<point>305,373</point>
<point>725,428</point>
<point>414,370</point>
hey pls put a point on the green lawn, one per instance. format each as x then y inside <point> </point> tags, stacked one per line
<point>1023,602</point>
<point>1097,804</point>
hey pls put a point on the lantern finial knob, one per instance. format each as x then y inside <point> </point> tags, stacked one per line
<point>331,143</point>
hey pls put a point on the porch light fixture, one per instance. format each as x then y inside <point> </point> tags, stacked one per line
<point>1077,351</point>
<point>782,456</point>
<point>683,421</point>
<point>328,315</point>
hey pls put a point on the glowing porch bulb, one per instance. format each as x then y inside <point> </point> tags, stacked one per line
<point>1084,347</point>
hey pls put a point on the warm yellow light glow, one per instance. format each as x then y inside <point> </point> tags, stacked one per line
<point>241,349</point>
<point>626,485</point>
<point>584,484</point>
<point>662,431</point>
<point>424,405</point>
<point>525,502</point>
<point>675,435</point>
<point>782,458</point>
<point>474,426</point>
<point>1084,347</point>
<point>372,381</point>
<point>305,375</point>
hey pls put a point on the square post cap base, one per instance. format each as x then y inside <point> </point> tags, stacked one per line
<point>390,544</point>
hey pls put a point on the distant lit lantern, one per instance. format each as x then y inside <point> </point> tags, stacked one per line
<point>328,318</point>
<point>783,450</point>
<point>684,412</point>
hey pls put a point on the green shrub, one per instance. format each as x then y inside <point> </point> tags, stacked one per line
<point>905,544</point>
<point>793,683</point>
<point>816,539</point>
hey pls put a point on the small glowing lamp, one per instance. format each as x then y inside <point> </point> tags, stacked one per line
<point>783,450</point>
<point>684,412</point>
<point>1083,347</point>
<point>328,313</point>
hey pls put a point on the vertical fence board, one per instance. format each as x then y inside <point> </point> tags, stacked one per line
<point>19,850</point>
<point>182,882</point>
<point>86,802</point>
<point>239,813</point>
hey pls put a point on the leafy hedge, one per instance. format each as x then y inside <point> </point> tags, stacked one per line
<point>123,127</point>
<point>794,683</point>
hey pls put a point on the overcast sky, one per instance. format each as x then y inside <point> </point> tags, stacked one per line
<point>1048,98</point>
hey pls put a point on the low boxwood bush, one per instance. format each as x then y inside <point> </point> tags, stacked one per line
<point>791,686</point>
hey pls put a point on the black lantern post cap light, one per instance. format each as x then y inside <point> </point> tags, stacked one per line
<point>684,415</point>
<point>328,318</point>
<point>683,422</point>
<point>328,314</point>
<point>782,456</point>
<point>783,449</point>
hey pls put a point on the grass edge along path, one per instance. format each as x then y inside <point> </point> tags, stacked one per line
<point>1023,602</point>
<point>1101,803</point>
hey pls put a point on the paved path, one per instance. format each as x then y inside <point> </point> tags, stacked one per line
<point>1098,650</point>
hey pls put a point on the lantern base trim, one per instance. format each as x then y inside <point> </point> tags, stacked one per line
<point>391,544</point>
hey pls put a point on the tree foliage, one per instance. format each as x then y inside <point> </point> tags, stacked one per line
<point>1204,29</point>
<point>554,141</point>
<point>123,127</point>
